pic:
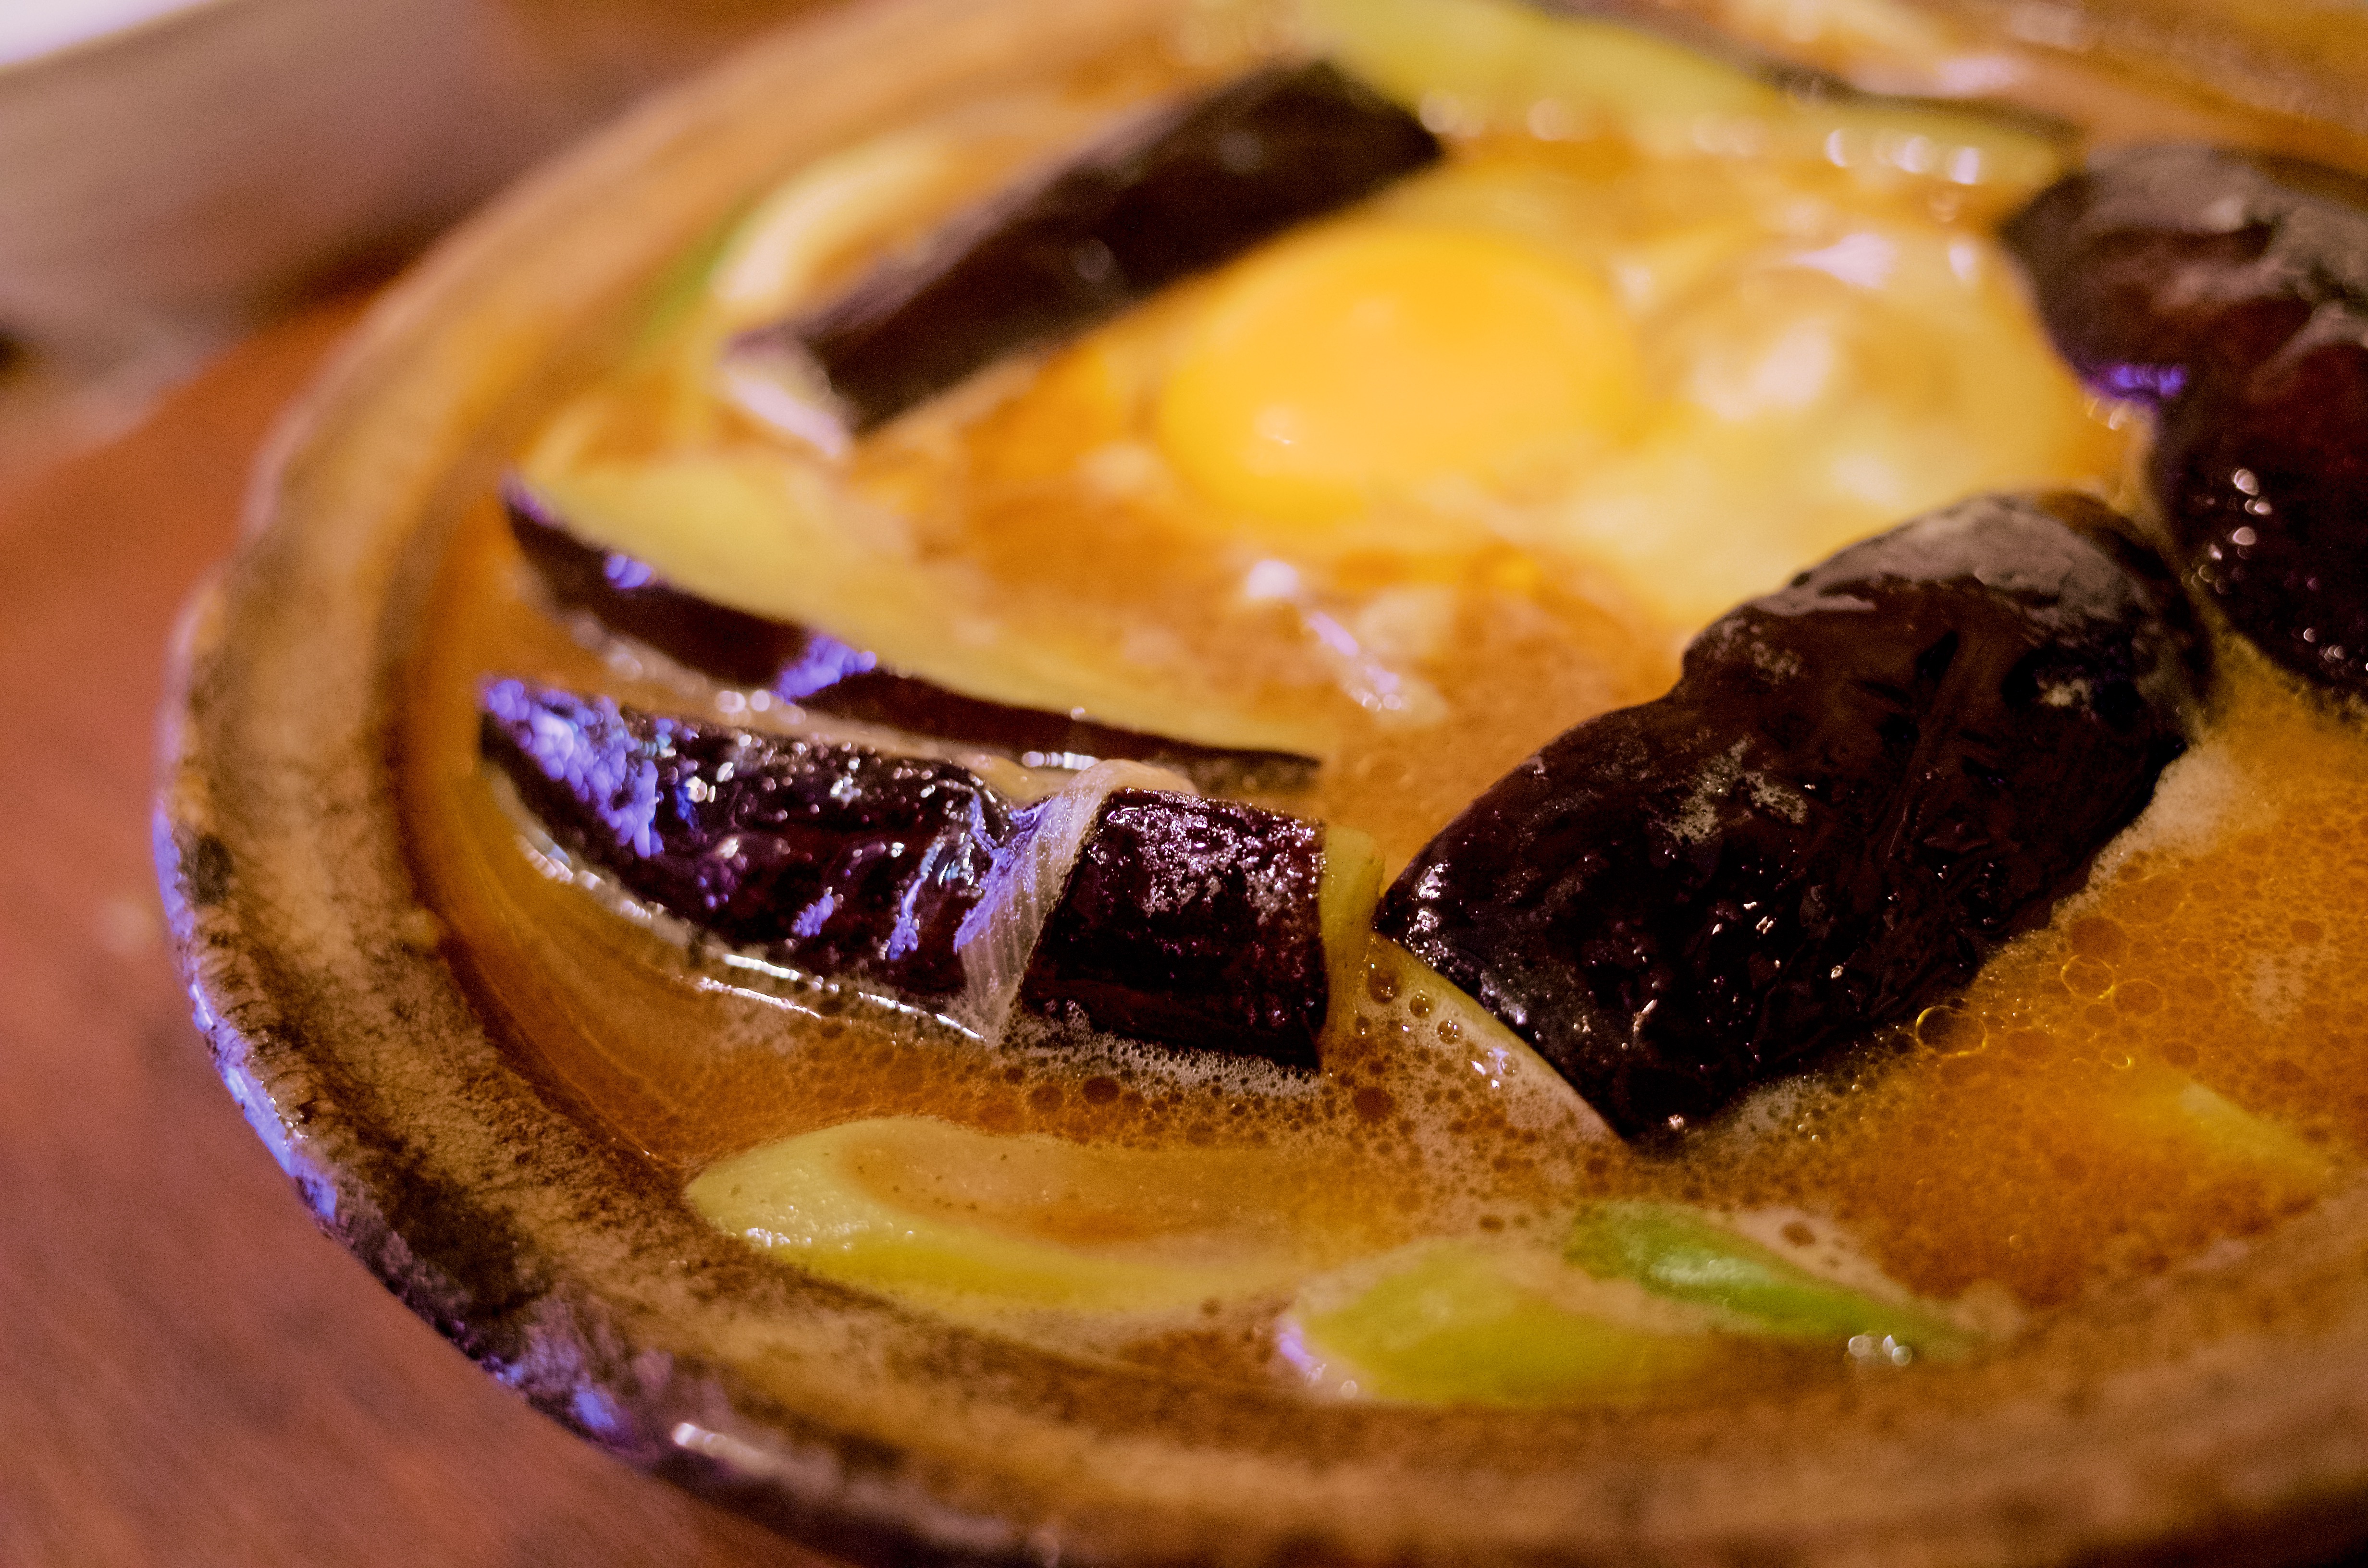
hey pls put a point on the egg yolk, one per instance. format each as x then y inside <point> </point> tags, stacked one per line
<point>1365,360</point>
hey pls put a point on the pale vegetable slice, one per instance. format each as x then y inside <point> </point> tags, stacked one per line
<point>1460,1323</point>
<point>771,534</point>
<point>2161,1104</point>
<point>1682,1253</point>
<point>775,256</point>
<point>1494,61</point>
<point>1643,1295</point>
<point>1344,909</point>
<point>824,221</point>
<point>970,1221</point>
<point>765,256</point>
<point>1027,886</point>
<point>1505,65</point>
<point>1494,1054</point>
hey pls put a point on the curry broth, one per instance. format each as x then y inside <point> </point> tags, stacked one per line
<point>2018,1146</point>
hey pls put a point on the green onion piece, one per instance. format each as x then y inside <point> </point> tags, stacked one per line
<point>1679,1253</point>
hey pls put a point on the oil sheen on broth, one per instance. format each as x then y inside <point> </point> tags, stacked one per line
<point>1432,481</point>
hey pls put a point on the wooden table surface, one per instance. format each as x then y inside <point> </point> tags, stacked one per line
<point>189,1373</point>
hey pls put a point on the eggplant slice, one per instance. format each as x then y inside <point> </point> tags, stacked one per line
<point>2229,291</point>
<point>1860,787</point>
<point>1170,195</point>
<point>1191,919</point>
<point>814,670</point>
<point>1136,910</point>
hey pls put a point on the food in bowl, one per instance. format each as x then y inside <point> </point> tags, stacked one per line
<point>921,898</point>
<point>1030,581</point>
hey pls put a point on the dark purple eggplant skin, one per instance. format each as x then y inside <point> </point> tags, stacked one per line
<point>1858,789</point>
<point>837,859</point>
<point>1187,922</point>
<point>2265,490</point>
<point>629,598</point>
<point>2229,291</point>
<point>1190,921</point>
<point>1174,193</point>
<point>817,670</point>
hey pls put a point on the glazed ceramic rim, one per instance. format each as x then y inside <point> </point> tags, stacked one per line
<point>573,1273</point>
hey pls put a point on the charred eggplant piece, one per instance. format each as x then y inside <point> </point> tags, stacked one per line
<point>1205,924</point>
<point>2154,266</point>
<point>1170,194</point>
<point>1152,913</point>
<point>2230,291</point>
<point>816,670</point>
<point>1190,918</point>
<point>2266,493</point>
<point>838,859</point>
<point>1859,787</point>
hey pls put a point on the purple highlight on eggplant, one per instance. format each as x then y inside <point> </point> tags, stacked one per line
<point>2230,291</point>
<point>1860,788</point>
<point>824,662</point>
<point>624,574</point>
<point>817,670</point>
<point>2140,383</point>
<point>834,859</point>
<point>1173,193</point>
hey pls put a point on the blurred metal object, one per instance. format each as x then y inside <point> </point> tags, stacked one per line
<point>162,183</point>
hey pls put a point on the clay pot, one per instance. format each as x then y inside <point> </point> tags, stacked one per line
<point>2206,1413</point>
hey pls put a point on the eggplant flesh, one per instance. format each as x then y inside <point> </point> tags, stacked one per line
<point>1860,787</point>
<point>1170,195</point>
<point>814,670</point>
<point>2229,291</point>
<point>1150,913</point>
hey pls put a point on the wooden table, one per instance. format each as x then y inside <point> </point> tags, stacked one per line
<point>189,1374</point>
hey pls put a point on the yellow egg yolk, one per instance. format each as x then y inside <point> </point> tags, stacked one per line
<point>1361,360</point>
